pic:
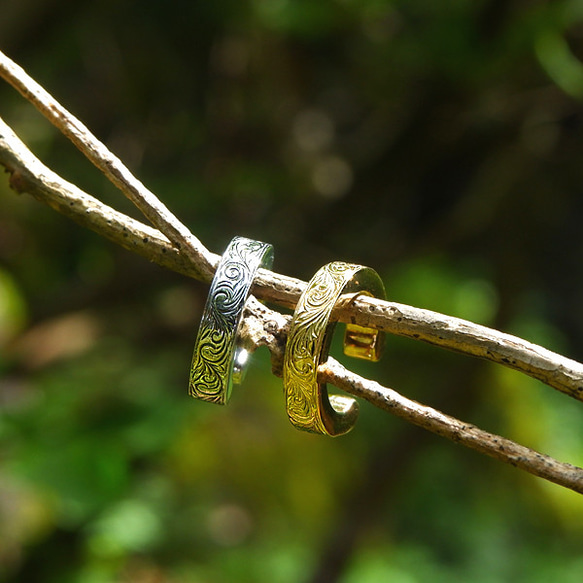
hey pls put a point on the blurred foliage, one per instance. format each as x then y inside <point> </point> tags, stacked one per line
<point>439,142</point>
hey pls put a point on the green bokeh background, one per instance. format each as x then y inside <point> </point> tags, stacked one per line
<point>438,142</point>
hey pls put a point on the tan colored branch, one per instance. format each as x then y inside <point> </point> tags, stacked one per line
<point>263,326</point>
<point>28,174</point>
<point>465,337</point>
<point>179,250</point>
<point>111,166</point>
<point>473,437</point>
<point>444,331</point>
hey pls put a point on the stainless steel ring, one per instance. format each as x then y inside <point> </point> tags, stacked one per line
<point>218,361</point>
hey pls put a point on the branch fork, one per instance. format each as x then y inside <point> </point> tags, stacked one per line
<point>170,244</point>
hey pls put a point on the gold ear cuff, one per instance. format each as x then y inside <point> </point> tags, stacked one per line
<point>307,402</point>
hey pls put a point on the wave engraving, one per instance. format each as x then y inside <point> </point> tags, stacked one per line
<point>212,361</point>
<point>307,402</point>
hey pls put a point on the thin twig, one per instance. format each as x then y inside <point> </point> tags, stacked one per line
<point>263,326</point>
<point>177,249</point>
<point>561,373</point>
<point>463,336</point>
<point>473,437</point>
<point>30,175</point>
<point>111,166</point>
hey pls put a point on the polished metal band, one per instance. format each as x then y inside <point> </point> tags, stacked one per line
<point>308,405</point>
<point>218,361</point>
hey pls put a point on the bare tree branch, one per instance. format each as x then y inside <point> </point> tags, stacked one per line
<point>559,372</point>
<point>266,327</point>
<point>471,436</point>
<point>28,174</point>
<point>174,247</point>
<point>154,210</point>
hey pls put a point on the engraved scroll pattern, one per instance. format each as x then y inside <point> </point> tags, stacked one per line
<point>305,342</point>
<point>212,361</point>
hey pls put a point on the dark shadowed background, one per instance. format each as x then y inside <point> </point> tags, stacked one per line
<point>439,142</point>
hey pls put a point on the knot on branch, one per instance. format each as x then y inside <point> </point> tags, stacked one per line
<point>17,181</point>
<point>262,326</point>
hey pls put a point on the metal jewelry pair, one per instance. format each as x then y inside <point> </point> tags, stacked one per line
<point>218,360</point>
